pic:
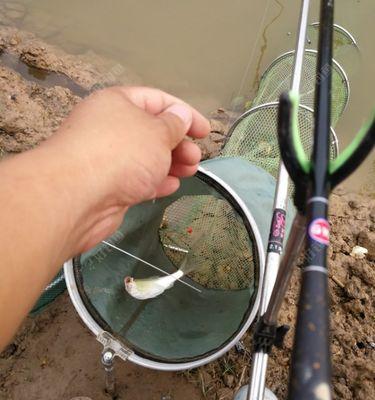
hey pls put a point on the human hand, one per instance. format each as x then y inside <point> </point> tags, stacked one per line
<point>126,145</point>
<point>120,146</point>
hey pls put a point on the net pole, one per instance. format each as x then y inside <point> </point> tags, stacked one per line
<point>275,243</point>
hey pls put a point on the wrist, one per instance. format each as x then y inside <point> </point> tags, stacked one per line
<point>39,186</point>
<point>80,193</point>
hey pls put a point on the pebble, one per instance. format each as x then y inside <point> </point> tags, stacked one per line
<point>359,252</point>
<point>354,204</point>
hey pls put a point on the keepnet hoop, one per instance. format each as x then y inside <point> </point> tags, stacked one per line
<point>181,328</point>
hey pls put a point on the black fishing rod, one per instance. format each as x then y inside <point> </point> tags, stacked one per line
<point>311,360</point>
<point>310,377</point>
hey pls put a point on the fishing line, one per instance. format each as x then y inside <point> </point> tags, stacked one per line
<point>147,263</point>
<point>264,46</point>
<point>252,55</point>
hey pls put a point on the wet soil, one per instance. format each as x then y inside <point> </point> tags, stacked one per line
<point>39,86</point>
<point>55,357</point>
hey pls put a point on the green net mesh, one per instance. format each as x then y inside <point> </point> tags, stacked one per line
<point>277,79</point>
<point>345,48</point>
<point>254,136</point>
<point>54,289</point>
<point>222,255</point>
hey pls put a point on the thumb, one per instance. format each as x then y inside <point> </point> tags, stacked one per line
<point>177,120</point>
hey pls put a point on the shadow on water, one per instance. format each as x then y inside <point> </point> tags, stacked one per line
<point>41,76</point>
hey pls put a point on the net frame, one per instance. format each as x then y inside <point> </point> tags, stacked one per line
<point>270,89</point>
<point>104,333</point>
<point>339,30</point>
<point>228,152</point>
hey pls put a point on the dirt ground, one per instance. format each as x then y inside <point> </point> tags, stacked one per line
<point>55,357</point>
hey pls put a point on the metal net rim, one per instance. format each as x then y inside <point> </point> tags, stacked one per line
<point>97,325</point>
<point>338,68</point>
<point>341,29</point>
<point>275,104</point>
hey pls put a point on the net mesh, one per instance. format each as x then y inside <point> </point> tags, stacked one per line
<point>254,136</point>
<point>344,43</point>
<point>209,228</point>
<point>277,79</point>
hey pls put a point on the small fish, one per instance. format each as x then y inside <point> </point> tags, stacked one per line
<point>143,289</point>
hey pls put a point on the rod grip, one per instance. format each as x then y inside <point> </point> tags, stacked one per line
<point>310,371</point>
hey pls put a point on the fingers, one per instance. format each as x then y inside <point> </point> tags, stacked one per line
<point>186,153</point>
<point>172,182</point>
<point>168,186</point>
<point>155,101</point>
<point>182,170</point>
<point>185,159</point>
<point>177,120</point>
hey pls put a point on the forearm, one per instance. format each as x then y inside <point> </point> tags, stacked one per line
<point>37,224</point>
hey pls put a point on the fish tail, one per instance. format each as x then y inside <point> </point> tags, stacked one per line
<point>169,281</point>
<point>174,277</point>
<point>178,274</point>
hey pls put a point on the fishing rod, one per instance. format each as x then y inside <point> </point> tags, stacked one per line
<point>311,353</point>
<point>276,238</point>
<point>310,376</point>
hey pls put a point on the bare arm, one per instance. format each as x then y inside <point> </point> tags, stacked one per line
<point>118,147</point>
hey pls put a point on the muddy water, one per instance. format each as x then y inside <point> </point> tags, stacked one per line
<point>210,52</point>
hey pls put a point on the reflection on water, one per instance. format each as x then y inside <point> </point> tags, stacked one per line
<point>210,53</point>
